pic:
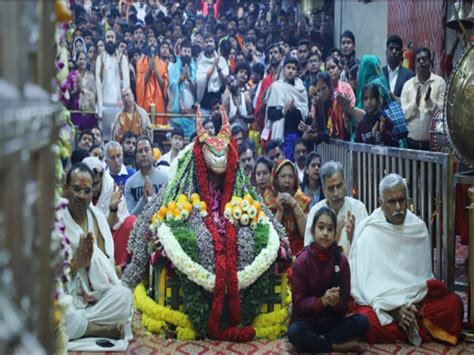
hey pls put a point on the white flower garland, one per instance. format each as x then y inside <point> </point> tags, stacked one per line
<point>182,153</point>
<point>199,275</point>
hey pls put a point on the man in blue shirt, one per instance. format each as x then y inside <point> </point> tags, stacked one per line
<point>114,159</point>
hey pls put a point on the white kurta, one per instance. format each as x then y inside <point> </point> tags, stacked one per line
<point>390,264</point>
<point>356,208</point>
<point>115,76</point>
<point>98,294</point>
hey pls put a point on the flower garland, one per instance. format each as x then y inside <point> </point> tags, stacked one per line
<point>155,317</point>
<point>138,243</point>
<point>204,278</point>
<point>179,169</point>
<point>226,260</point>
<point>273,325</point>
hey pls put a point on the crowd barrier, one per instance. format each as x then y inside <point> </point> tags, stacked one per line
<point>429,176</point>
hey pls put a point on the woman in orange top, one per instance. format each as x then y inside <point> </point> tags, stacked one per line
<point>289,204</point>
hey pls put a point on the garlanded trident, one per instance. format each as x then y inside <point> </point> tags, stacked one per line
<point>216,256</point>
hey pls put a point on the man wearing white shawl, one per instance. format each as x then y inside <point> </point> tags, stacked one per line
<point>211,72</point>
<point>101,305</point>
<point>110,200</point>
<point>391,277</point>
<point>287,105</point>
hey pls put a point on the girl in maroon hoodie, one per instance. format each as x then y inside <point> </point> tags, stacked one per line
<point>321,289</point>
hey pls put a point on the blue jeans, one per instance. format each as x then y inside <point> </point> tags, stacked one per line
<point>312,337</point>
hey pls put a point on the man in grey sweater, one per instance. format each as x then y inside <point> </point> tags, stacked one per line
<point>146,181</point>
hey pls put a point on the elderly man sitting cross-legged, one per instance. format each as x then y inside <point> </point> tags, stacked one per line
<point>101,305</point>
<point>391,276</point>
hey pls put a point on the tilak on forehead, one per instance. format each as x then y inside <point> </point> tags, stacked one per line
<point>214,148</point>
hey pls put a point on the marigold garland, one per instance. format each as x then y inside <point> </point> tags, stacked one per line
<point>185,333</point>
<point>153,310</point>
<point>271,333</point>
<point>155,318</point>
<point>153,325</point>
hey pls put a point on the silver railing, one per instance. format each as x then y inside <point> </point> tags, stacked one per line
<point>430,183</point>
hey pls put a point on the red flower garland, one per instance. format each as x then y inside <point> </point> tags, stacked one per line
<point>226,260</point>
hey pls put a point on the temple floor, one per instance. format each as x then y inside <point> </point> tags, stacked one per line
<point>146,343</point>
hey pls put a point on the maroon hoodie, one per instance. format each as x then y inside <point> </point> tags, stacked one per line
<point>313,274</point>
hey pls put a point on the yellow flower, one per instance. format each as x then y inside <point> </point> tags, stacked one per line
<point>203,206</point>
<point>185,333</point>
<point>151,309</point>
<point>155,218</point>
<point>194,198</point>
<point>235,201</point>
<point>162,212</point>
<point>257,205</point>
<point>181,199</point>
<point>171,205</point>
<point>152,325</point>
<point>188,206</point>
<point>228,213</point>
<point>236,213</point>
<point>244,219</point>
<point>248,198</point>
<point>271,333</point>
<point>244,205</point>
<point>176,214</point>
<point>252,211</point>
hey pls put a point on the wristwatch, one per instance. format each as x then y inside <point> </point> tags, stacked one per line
<point>113,210</point>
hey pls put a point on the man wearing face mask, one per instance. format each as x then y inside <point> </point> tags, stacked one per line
<point>152,83</point>
<point>349,211</point>
<point>111,74</point>
<point>182,88</point>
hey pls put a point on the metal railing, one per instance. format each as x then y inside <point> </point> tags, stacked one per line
<point>430,182</point>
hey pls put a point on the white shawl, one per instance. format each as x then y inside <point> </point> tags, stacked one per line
<point>105,197</point>
<point>390,264</point>
<point>279,93</point>
<point>214,83</point>
<point>89,285</point>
